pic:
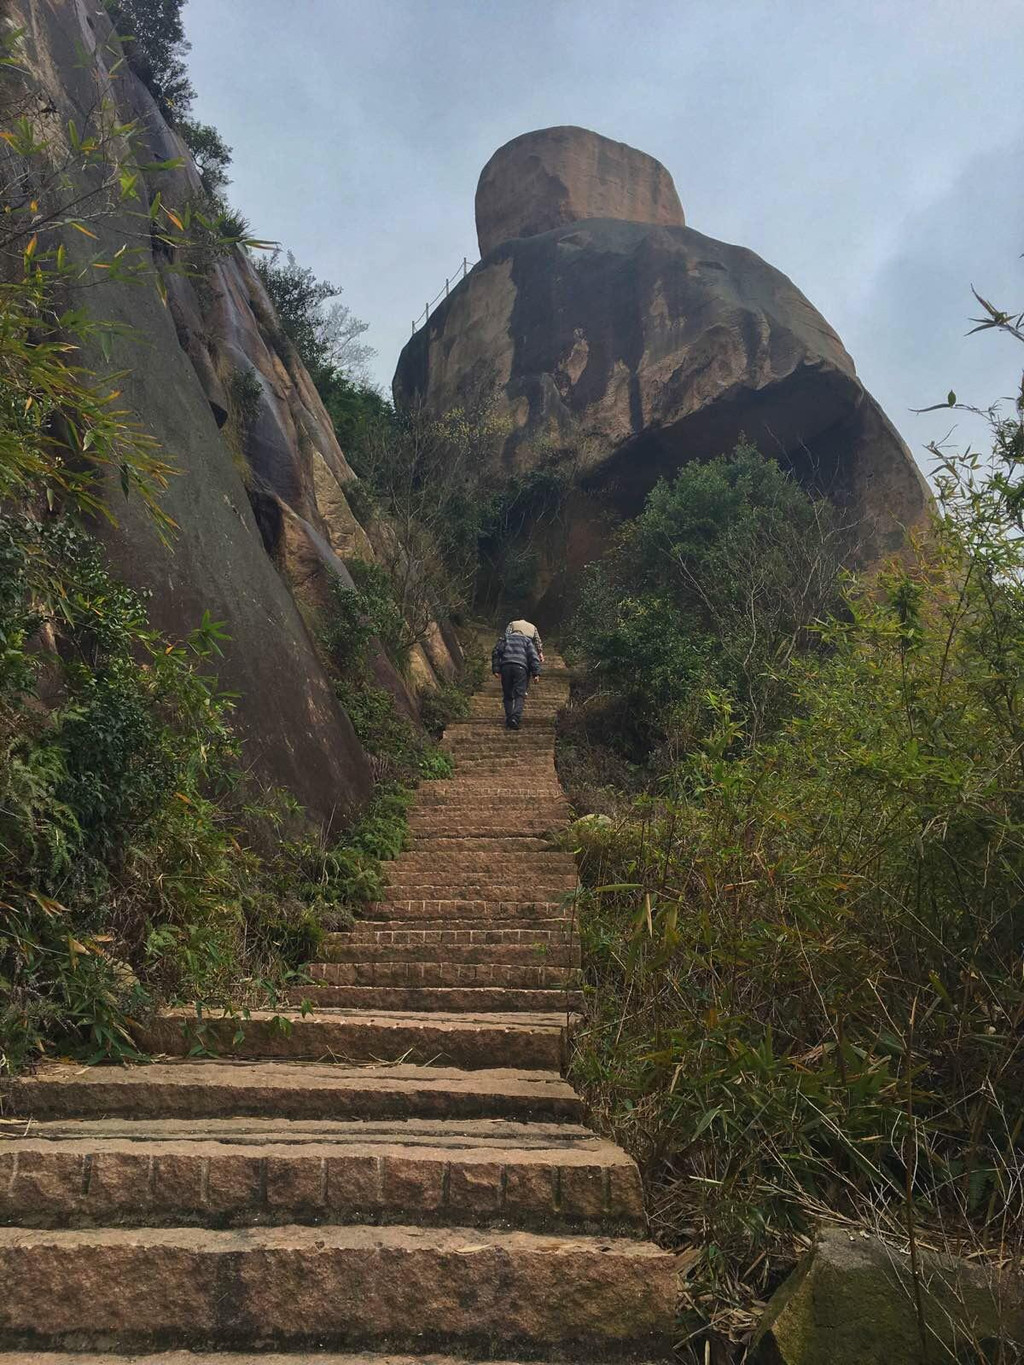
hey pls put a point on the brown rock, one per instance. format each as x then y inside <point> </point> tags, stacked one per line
<point>555,176</point>
<point>635,346</point>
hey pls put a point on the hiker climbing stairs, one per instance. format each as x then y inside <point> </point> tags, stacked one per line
<point>394,1162</point>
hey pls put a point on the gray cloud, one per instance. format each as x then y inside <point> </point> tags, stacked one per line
<point>872,151</point>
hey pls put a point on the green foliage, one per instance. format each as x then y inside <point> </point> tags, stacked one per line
<point>381,729</point>
<point>436,765</point>
<point>439,707</point>
<point>325,339</point>
<point>357,617</point>
<point>211,153</point>
<point>714,585</point>
<point>507,524</point>
<point>806,971</point>
<point>107,828</point>
<point>353,407</point>
<point>377,599</point>
<point>154,40</point>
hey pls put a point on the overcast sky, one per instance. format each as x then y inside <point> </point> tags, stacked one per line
<point>873,151</point>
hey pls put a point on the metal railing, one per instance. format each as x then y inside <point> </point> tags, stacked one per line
<point>460,274</point>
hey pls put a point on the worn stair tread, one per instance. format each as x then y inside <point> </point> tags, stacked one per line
<point>222,1087</point>
<point>246,1358</point>
<point>368,1024</point>
<point>460,1288</point>
<point>242,1130</point>
<point>172,1174</point>
<point>536,953</point>
<point>473,999</point>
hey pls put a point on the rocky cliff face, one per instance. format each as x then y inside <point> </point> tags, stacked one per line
<point>610,327</point>
<point>264,521</point>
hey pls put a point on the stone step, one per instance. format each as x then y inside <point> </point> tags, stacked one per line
<point>540,765</point>
<point>500,741</point>
<point>533,952</point>
<point>304,1357</point>
<point>494,890</point>
<point>245,1171</point>
<point>476,860</point>
<point>374,1026</point>
<point>482,795</point>
<point>404,1287</point>
<point>483,825</point>
<point>215,1089</point>
<point>443,843</point>
<point>371,969</point>
<point>552,933</point>
<point>480,871</point>
<point>447,911</point>
<point>454,999</point>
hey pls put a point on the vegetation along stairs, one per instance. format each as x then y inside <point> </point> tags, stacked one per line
<point>401,1168</point>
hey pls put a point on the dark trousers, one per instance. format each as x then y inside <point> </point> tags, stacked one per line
<point>515,679</point>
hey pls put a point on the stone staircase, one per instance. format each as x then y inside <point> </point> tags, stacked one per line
<point>401,1168</point>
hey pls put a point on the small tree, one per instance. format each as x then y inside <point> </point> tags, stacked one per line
<point>154,40</point>
<point>714,585</point>
<point>326,339</point>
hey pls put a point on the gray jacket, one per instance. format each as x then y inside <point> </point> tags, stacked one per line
<point>516,649</point>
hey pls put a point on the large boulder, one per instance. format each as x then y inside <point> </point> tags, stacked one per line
<point>561,175</point>
<point>852,1301</point>
<point>640,345</point>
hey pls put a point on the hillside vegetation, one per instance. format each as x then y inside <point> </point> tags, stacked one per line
<point>804,864</point>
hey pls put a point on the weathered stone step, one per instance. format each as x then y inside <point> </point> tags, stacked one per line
<point>212,1089</point>
<point>418,1288</point>
<point>525,843</point>
<point>368,968</point>
<point>483,795</point>
<point>372,1026</point>
<point>421,932</point>
<point>475,860</point>
<point>494,890</point>
<point>483,825</point>
<point>534,952</point>
<point>245,1172</point>
<point>472,999</point>
<point>446,911</point>
<point>536,767</point>
<point>304,1357</point>
<point>480,870</point>
<point>504,743</point>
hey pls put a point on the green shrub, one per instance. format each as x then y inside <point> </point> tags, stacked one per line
<point>713,586</point>
<point>436,765</point>
<point>381,729</point>
<point>439,707</point>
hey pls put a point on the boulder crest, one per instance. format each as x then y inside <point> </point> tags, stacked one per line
<point>555,176</point>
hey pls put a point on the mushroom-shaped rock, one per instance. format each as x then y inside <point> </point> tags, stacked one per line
<point>612,332</point>
<point>555,176</point>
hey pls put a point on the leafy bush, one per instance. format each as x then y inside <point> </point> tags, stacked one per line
<point>714,585</point>
<point>436,764</point>
<point>440,706</point>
